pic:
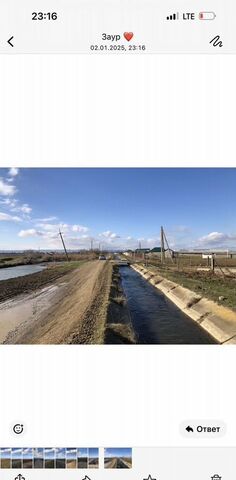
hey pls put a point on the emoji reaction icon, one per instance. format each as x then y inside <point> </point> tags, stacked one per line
<point>18,428</point>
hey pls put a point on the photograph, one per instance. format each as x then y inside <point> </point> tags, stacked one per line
<point>38,454</point>
<point>117,256</point>
<point>93,456</point>
<point>60,458</point>
<point>5,457</point>
<point>82,458</point>
<point>49,457</point>
<point>28,456</point>
<point>118,458</point>
<point>71,458</point>
<point>16,458</point>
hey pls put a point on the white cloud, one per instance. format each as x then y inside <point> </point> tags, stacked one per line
<point>50,230</point>
<point>6,189</point>
<point>7,202</point>
<point>47,219</point>
<point>47,231</point>
<point>213,237</point>
<point>53,227</point>
<point>109,235</point>
<point>5,217</point>
<point>13,172</point>
<point>217,239</point>
<point>80,229</point>
<point>25,208</point>
<point>31,232</point>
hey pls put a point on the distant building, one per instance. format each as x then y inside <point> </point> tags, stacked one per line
<point>141,251</point>
<point>157,252</point>
<point>128,253</point>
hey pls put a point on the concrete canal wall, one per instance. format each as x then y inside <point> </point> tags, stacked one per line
<point>217,320</point>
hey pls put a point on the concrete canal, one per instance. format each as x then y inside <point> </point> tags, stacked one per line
<point>155,319</point>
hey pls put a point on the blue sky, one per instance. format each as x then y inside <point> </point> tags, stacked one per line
<point>82,452</point>
<point>118,452</point>
<point>117,208</point>
<point>49,453</point>
<point>17,453</point>
<point>60,453</point>
<point>71,453</point>
<point>93,452</point>
<point>5,453</point>
<point>38,452</point>
<point>28,453</point>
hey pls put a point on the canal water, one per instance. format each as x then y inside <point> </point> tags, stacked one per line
<point>13,272</point>
<point>155,319</point>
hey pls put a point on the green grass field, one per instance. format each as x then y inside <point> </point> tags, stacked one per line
<point>207,284</point>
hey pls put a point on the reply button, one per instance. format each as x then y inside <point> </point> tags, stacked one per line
<point>203,428</point>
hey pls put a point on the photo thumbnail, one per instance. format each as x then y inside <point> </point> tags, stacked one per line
<point>118,458</point>
<point>17,458</point>
<point>71,458</point>
<point>38,458</point>
<point>5,457</point>
<point>49,458</point>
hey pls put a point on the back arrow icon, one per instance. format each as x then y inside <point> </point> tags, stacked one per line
<point>9,41</point>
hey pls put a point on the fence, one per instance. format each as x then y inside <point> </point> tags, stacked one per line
<point>220,264</point>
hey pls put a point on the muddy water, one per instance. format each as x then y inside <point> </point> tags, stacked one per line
<point>13,313</point>
<point>156,319</point>
<point>13,272</point>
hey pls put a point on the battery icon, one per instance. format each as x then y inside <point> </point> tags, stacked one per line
<point>207,16</point>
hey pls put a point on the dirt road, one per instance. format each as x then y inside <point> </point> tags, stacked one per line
<point>76,312</point>
<point>118,463</point>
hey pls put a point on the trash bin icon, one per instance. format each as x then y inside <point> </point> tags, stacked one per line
<point>216,477</point>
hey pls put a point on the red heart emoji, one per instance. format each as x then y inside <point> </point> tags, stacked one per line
<point>128,36</point>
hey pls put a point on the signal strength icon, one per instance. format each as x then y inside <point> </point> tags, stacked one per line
<point>174,16</point>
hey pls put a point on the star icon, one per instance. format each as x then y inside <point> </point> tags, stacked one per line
<point>149,478</point>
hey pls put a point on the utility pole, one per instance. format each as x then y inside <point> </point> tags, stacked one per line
<point>212,262</point>
<point>162,246</point>
<point>139,253</point>
<point>63,243</point>
<point>163,241</point>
